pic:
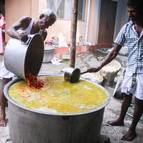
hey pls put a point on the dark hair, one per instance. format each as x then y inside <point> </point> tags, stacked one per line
<point>52,15</point>
<point>137,4</point>
<point>48,13</point>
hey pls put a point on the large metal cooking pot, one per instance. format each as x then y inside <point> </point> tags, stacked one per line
<point>31,126</point>
<point>21,58</point>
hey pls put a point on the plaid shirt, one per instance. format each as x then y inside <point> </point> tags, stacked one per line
<point>129,37</point>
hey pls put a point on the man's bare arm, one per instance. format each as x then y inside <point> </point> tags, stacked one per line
<point>16,30</point>
<point>112,55</point>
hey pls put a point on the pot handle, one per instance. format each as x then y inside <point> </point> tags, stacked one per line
<point>84,72</point>
<point>28,40</point>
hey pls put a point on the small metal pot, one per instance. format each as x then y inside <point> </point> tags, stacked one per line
<point>73,75</point>
<point>22,58</point>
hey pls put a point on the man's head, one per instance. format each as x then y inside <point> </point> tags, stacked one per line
<point>135,10</point>
<point>46,18</point>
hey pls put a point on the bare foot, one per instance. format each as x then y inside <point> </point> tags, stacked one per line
<point>129,136</point>
<point>3,122</point>
<point>116,123</point>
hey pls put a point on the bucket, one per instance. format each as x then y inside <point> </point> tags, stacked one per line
<point>22,58</point>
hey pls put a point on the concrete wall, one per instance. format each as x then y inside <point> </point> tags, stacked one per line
<point>17,8</point>
<point>87,30</point>
<point>14,9</point>
<point>64,26</point>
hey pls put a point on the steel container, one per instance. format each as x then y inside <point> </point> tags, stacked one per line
<point>49,53</point>
<point>21,58</point>
<point>31,126</point>
<point>72,75</point>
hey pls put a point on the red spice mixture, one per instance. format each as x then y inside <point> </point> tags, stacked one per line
<point>33,81</point>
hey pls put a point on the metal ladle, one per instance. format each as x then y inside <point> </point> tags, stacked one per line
<point>73,75</point>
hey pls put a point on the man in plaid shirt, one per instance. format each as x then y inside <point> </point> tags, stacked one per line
<point>131,35</point>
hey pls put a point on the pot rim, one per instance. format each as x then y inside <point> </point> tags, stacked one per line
<point>7,86</point>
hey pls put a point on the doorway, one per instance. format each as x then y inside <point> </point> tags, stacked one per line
<point>106,23</point>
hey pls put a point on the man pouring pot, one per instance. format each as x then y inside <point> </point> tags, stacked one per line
<point>20,30</point>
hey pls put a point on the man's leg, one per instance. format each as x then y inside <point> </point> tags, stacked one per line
<point>138,111</point>
<point>125,104</point>
<point>3,100</point>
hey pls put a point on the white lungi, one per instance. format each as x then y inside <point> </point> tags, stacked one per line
<point>4,73</point>
<point>135,89</point>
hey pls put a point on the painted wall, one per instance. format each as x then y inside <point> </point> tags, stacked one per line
<point>87,30</point>
<point>17,8</point>
<point>14,9</point>
<point>64,27</point>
